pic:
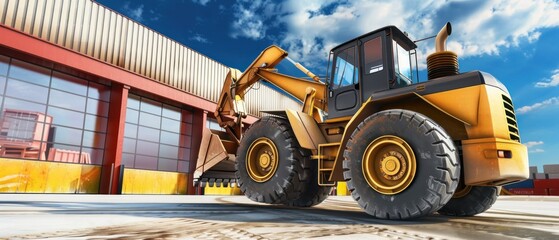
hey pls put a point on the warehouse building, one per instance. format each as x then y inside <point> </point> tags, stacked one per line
<point>93,102</point>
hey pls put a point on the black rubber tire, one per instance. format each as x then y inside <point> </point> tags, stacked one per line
<point>478,200</point>
<point>287,183</point>
<point>437,165</point>
<point>313,194</point>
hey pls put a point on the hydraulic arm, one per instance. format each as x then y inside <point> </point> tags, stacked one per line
<point>230,107</point>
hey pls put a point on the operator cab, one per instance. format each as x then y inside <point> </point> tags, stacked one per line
<point>377,61</point>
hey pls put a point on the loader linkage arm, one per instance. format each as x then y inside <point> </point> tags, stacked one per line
<point>231,108</point>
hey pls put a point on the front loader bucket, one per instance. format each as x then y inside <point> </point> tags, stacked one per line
<point>216,159</point>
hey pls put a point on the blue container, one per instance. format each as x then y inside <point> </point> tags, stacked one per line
<point>529,183</point>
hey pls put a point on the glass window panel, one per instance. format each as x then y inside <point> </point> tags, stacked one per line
<point>184,154</point>
<point>346,70</point>
<point>17,127</point>
<point>132,116</point>
<point>33,157</point>
<point>133,102</point>
<point>146,162</point>
<point>66,117</point>
<point>29,72</point>
<point>150,120</point>
<point>99,91</point>
<point>130,130</point>
<point>167,165</point>
<point>183,166</point>
<point>170,138</point>
<point>69,83</point>
<point>150,106</point>
<point>17,136</point>
<point>95,123</point>
<point>212,124</point>
<point>148,134</point>
<point>67,100</point>
<point>93,139</point>
<point>48,132</point>
<point>127,160</point>
<point>64,135</point>
<point>147,148</point>
<point>10,103</point>
<point>171,112</point>
<point>167,151</point>
<point>27,91</point>
<point>64,147</point>
<point>186,141</point>
<point>4,63</point>
<point>2,85</point>
<point>187,116</point>
<point>95,155</point>
<point>97,107</point>
<point>62,157</point>
<point>129,145</point>
<point>170,125</point>
<point>402,66</point>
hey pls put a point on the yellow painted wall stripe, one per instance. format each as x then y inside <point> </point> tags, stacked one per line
<point>222,190</point>
<point>27,176</point>
<point>137,181</point>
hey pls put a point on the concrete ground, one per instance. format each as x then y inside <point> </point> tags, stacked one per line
<point>28,216</point>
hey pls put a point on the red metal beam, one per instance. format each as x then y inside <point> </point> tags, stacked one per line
<point>110,174</point>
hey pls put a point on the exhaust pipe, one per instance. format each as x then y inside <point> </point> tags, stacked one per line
<point>440,40</point>
<point>442,63</point>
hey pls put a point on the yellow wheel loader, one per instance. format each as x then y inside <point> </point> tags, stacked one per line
<point>405,148</point>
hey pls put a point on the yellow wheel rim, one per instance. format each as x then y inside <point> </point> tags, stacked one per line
<point>262,160</point>
<point>462,191</point>
<point>389,165</point>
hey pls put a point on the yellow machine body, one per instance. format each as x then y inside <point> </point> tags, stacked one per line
<point>480,117</point>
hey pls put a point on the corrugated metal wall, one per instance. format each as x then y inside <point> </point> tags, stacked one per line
<point>96,31</point>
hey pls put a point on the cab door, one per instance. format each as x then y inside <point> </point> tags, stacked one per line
<point>343,97</point>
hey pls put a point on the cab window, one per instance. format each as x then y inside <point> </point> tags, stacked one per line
<point>346,72</point>
<point>402,66</point>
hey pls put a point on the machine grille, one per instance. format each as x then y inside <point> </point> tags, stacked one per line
<point>511,119</point>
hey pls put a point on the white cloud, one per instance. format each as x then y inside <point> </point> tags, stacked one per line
<point>201,2</point>
<point>533,143</point>
<point>198,38</point>
<point>480,27</point>
<point>134,13</point>
<point>537,150</point>
<point>540,105</point>
<point>250,17</point>
<point>553,81</point>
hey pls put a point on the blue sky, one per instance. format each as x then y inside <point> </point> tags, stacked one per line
<point>514,40</point>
